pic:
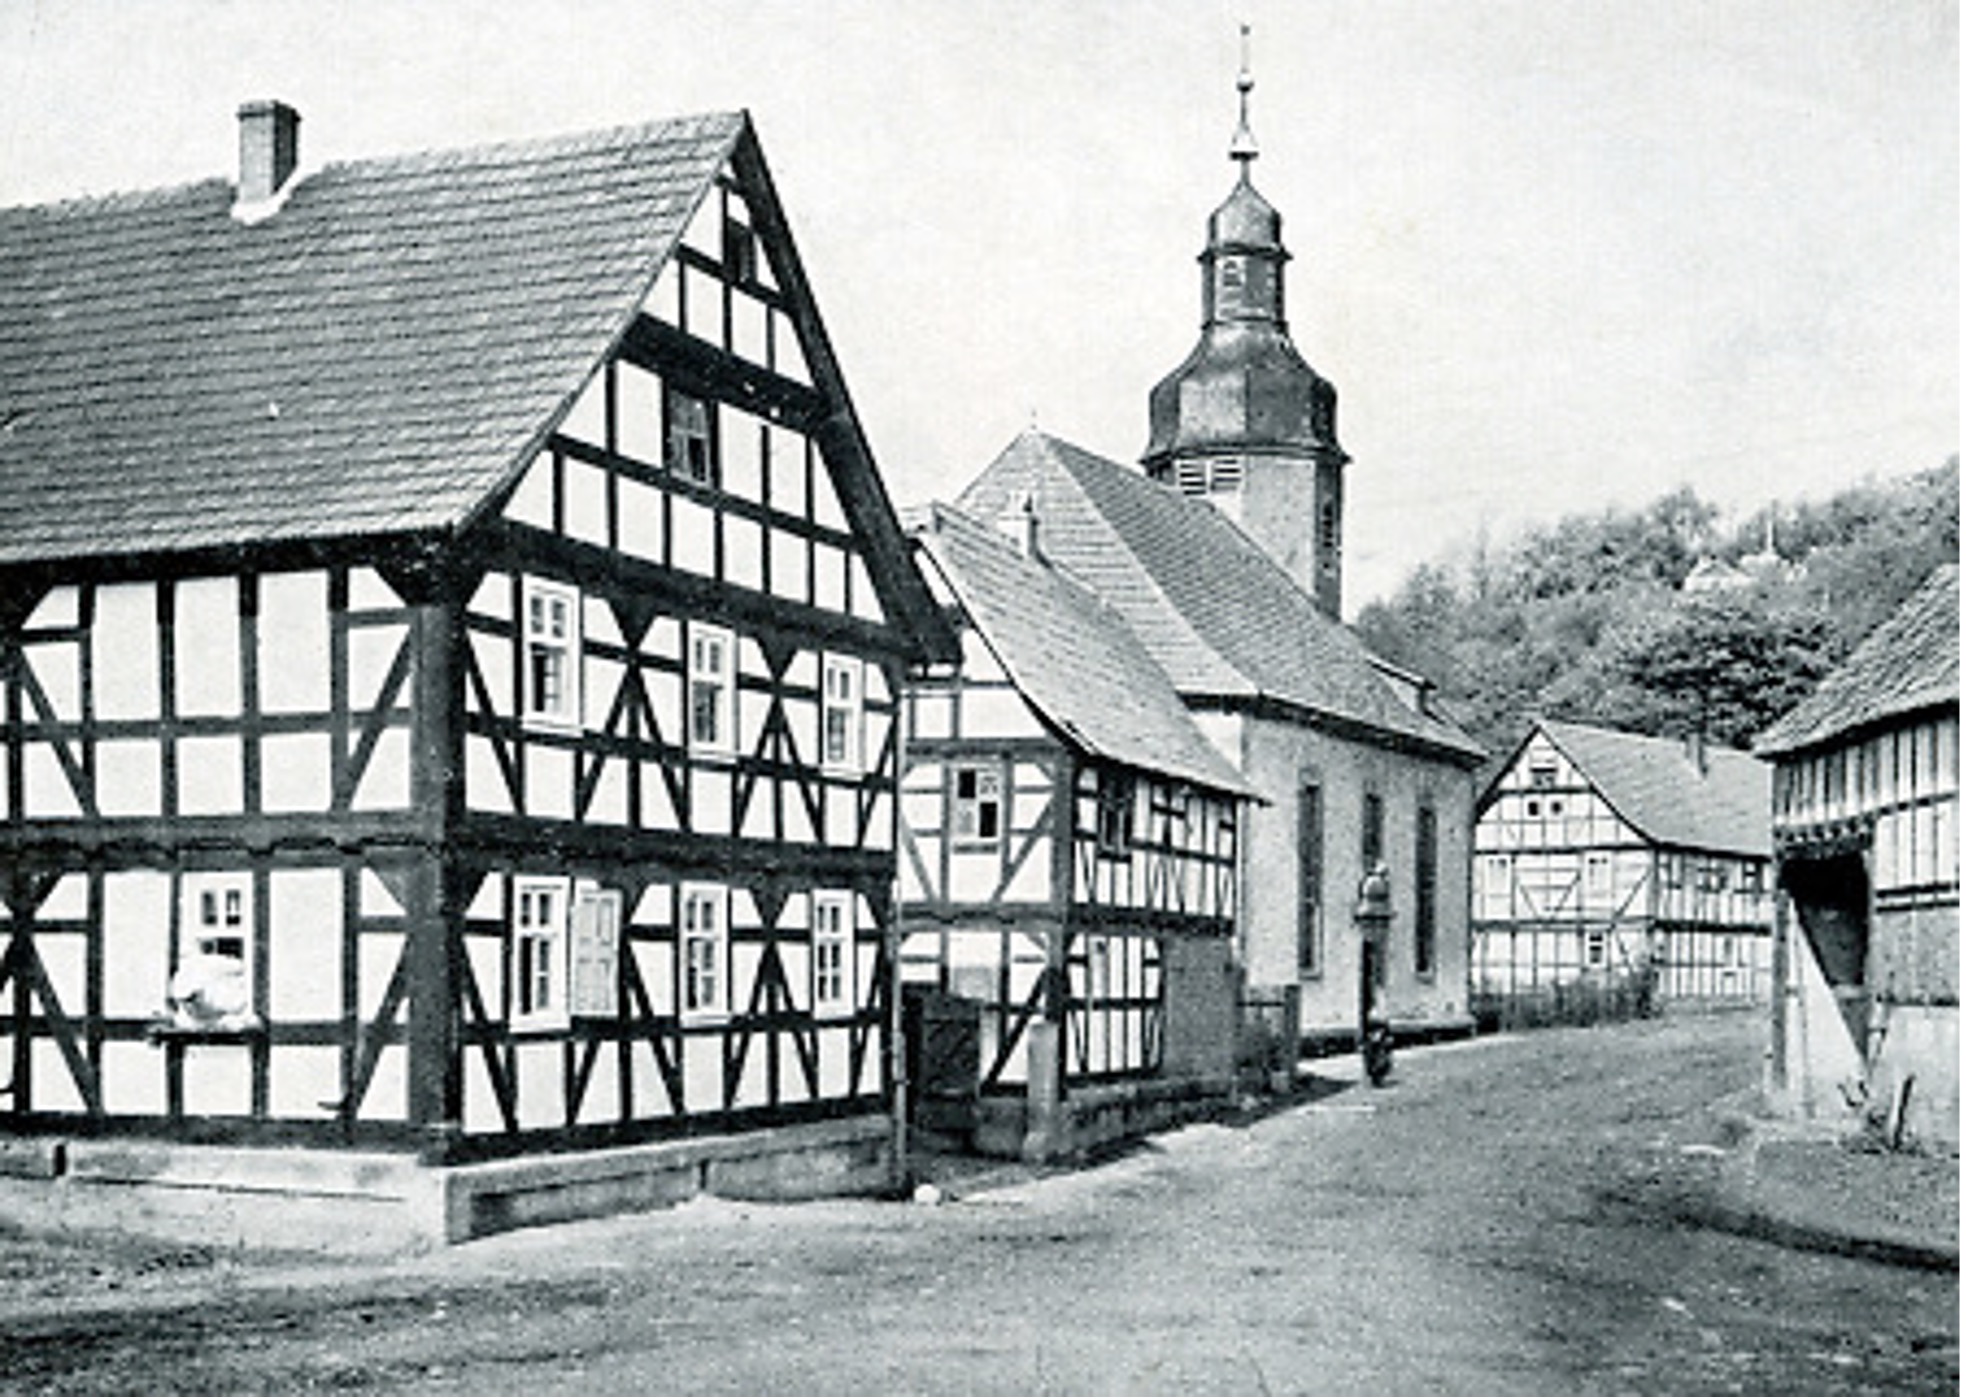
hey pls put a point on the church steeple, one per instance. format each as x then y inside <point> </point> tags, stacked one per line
<point>1244,421</point>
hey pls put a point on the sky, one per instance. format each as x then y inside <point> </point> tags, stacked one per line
<point>1557,256</point>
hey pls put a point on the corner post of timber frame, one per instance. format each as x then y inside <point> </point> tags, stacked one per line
<point>429,577</point>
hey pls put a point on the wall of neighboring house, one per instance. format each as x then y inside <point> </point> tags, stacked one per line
<point>1308,849</point>
<point>1022,862</point>
<point>1868,1019</point>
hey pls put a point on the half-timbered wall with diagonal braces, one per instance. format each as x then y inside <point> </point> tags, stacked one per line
<point>1047,884</point>
<point>574,826</point>
<point>1567,891</point>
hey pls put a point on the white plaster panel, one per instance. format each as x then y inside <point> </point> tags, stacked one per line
<point>132,1077</point>
<point>703,1072</point>
<point>602,1102</point>
<point>587,503</point>
<point>494,658</point>
<point>693,537</point>
<point>218,1081</point>
<point>205,639</point>
<point>880,826</point>
<point>136,941</point>
<point>600,686</point>
<point>304,1081</point>
<point>835,1059</point>
<point>638,413</point>
<point>829,577</point>
<point>744,552</point>
<point>388,1097</point>
<point>55,1090</point>
<point>129,777</point>
<point>371,652</point>
<point>610,800</point>
<point>64,956</point>
<point>641,520</point>
<point>481,1114</point>
<point>825,500</point>
<point>385,784</point>
<point>296,772</point>
<point>123,652</point>
<point>486,956</point>
<point>368,589</point>
<point>377,901</point>
<point>376,957</point>
<point>658,810</point>
<point>709,797</point>
<point>656,964</point>
<point>541,1083</point>
<point>798,821</point>
<point>211,775</point>
<point>493,596</point>
<point>59,607</point>
<point>587,419</point>
<point>293,643</point>
<point>650,1094</point>
<point>304,945</point>
<point>866,601</point>
<point>742,457</point>
<point>57,668</point>
<point>46,791</point>
<point>549,782</point>
<point>842,815</point>
<point>532,500</point>
<point>789,568</point>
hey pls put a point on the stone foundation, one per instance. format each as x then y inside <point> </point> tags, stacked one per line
<point>1090,1118</point>
<point>369,1203</point>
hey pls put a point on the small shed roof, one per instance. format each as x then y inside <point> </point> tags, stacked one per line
<point>1908,663</point>
<point>1072,658</point>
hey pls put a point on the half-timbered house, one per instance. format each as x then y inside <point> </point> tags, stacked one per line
<point>452,631</point>
<point>1069,856</point>
<point>1621,867</point>
<point>1866,834</point>
<point>1354,770</point>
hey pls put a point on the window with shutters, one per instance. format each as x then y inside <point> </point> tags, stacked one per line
<point>539,931</point>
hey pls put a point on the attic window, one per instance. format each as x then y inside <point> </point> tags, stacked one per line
<point>692,437</point>
<point>1542,776</point>
<point>740,252</point>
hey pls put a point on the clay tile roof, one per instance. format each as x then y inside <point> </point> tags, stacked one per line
<point>1656,786</point>
<point>376,356</point>
<point>1910,662</point>
<point>1071,657</point>
<point>1216,613</point>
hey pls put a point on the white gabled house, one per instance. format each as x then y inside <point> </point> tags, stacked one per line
<point>452,631</point>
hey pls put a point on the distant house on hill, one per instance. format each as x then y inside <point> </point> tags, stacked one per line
<point>1612,860</point>
<point>1071,857</point>
<point>452,630</point>
<point>1866,830</point>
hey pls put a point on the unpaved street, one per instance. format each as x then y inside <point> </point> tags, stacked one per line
<point>1506,1218</point>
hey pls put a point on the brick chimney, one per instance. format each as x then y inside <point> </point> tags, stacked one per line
<point>269,149</point>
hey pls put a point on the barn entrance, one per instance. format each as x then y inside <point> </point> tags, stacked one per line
<point>944,1036</point>
<point>1831,895</point>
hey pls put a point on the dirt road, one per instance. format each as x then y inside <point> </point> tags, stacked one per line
<point>1508,1217</point>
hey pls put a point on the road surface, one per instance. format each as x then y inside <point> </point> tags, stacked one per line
<point>1508,1217</point>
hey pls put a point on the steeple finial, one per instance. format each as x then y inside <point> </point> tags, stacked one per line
<point>1242,146</point>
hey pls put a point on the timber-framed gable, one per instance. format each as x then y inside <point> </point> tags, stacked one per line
<point>565,820</point>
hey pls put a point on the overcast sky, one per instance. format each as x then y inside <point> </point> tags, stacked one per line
<point>1556,255</point>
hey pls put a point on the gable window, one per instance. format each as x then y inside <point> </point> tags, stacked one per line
<point>692,435</point>
<point>978,804</point>
<point>712,689</point>
<point>1310,881</point>
<point>843,722</point>
<point>1426,862</point>
<point>705,950</point>
<point>539,958</point>
<point>1542,775</point>
<point>1597,875</point>
<point>832,941</point>
<point>1114,832</point>
<point>552,653</point>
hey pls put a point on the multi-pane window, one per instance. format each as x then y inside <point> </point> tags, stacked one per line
<point>1596,944</point>
<point>1597,875</point>
<point>539,931</point>
<point>1497,887</point>
<point>1114,833</point>
<point>1310,880</point>
<point>842,722</point>
<point>692,436</point>
<point>221,906</point>
<point>712,688</point>
<point>1426,875</point>
<point>705,950</point>
<point>552,653</point>
<point>832,945</point>
<point>978,804</point>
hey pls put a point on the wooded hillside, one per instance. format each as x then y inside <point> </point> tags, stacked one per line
<point>1590,619</point>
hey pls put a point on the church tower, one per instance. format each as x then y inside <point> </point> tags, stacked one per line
<point>1244,422</point>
